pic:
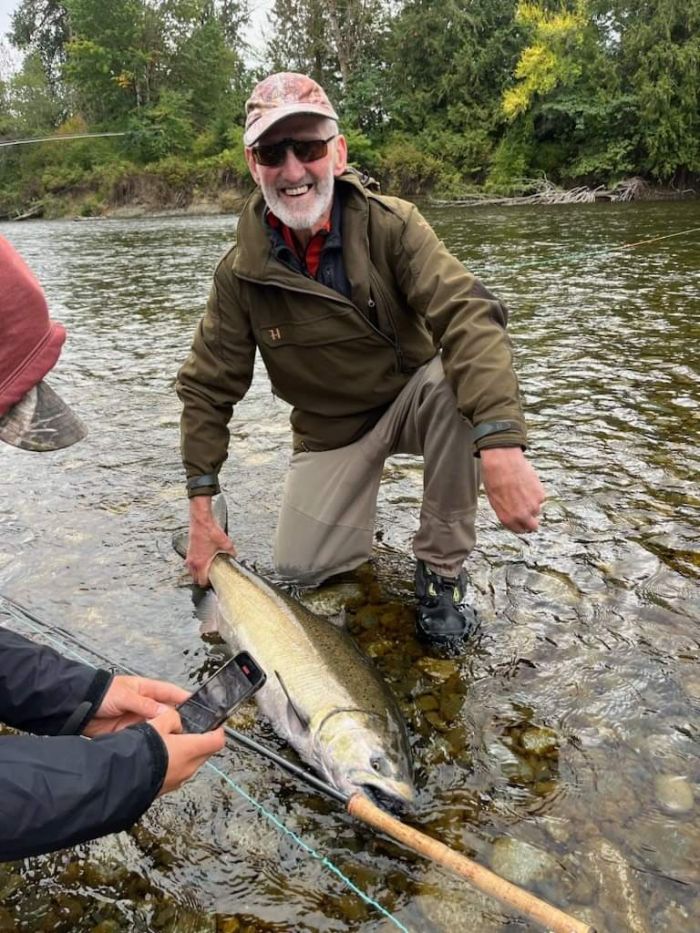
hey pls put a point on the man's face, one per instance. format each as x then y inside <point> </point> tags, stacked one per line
<point>300,193</point>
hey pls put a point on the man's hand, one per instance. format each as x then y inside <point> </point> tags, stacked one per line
<point>130,700</point>
<point>513,488</point>
<point>186,753</point>
<point>206,540</point>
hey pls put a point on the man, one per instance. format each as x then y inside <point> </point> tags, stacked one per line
<point>59,791</point>
<point>380,340</point>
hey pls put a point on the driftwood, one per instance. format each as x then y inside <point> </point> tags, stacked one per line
<point>34,211</point>
<point>630,189</point>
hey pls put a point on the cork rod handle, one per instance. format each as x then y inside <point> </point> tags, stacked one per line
<point>551,918</point>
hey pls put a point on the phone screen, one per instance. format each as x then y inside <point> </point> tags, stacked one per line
<point>219,696</point>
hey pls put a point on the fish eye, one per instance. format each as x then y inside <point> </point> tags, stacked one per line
<point>380,765</point>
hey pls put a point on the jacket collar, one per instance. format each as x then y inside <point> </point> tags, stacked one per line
<point>254,257</point>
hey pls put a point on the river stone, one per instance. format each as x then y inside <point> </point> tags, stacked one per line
<point>503,759</point>
<point>673,793</point>
<point>691,686</point>
<point>450,706</point>
<point>106,926</point>
<point>618,895</point>
<point>445,905</point>
<point>676,917</point>
<point>331,600</point>
<point>437,668</point>
<point>539,740</point>
<point>10,884</point>
<point>521,862</point>
<point>427,702</point>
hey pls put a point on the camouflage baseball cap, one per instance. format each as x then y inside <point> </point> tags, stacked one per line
<point>283,95</point>
<point>32,415</point>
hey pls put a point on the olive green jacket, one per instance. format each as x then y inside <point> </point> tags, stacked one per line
<point>341,362</point>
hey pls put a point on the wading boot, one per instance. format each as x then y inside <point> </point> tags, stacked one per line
<point>443,617</point>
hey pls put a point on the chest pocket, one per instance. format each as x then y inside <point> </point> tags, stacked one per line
<point>342,325</point>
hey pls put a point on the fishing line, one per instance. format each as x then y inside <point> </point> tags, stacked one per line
<point>50,633</point>
<point>603,251</point>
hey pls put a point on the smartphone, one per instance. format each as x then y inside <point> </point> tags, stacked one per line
<point>218,697</point>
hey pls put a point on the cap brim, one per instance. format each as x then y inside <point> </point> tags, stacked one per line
<point>41,421</point>
<point>268,120</point>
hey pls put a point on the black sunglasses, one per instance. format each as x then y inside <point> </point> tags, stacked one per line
<point>305,150</point>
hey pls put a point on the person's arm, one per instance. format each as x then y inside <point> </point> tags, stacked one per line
<point>43,692</point>
<point>214,377</point>
<point>469,324</point>
<point>59,791</point>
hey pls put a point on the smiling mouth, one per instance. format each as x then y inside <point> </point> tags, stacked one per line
<point>296,192</point>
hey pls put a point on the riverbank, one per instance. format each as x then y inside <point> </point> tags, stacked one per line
<point>219,185</point>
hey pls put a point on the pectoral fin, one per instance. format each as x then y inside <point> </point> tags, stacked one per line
<point>206,608</point>
<point>297,719</point>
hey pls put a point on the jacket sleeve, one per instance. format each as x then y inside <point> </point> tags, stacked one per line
<point>468,323</point>
<point>59,791</point>
<point>214,377</point>
<point>40,690</point>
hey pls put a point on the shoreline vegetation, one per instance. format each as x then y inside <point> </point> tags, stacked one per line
<point>137,105</point>
<point>210,189</point>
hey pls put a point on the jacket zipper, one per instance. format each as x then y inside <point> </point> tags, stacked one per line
<point>373,304</point>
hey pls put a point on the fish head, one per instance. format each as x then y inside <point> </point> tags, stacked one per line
<point>368,753</point>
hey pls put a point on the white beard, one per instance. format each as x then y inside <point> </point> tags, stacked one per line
<point>306,215</point>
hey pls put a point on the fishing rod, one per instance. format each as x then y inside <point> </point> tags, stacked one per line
<point>54,139</point>
<point>237,737</point>
<point>362,809</point>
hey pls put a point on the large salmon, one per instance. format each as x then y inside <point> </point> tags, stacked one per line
<point>322,695</point>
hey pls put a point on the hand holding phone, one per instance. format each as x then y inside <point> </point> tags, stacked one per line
<point>210,705</point>
<point>186,752</point>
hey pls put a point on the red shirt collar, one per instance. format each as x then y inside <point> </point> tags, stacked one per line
<point>309,257</point>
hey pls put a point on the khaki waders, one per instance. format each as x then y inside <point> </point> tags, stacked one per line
<point>326,522</point>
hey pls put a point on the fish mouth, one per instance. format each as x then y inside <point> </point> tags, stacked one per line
<point>397,800</point>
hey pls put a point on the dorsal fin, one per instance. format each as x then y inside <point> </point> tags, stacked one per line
<point>219,509</point>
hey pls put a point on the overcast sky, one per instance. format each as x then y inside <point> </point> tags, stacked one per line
<point>7,7</point>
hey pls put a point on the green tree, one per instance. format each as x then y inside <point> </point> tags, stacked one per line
<point>203,62</point>
<point>656,44</point>
<point>448,62</point>
<point>42,26</point>
<point>338,43</point>
<point>32,106</point>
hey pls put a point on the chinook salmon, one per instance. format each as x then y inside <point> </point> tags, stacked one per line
<point>322,695</point>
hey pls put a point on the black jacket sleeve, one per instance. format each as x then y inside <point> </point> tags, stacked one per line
<point>59,791</point>
<point>40,690</point>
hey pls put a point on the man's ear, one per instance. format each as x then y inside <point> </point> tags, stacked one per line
<point>341,156</point>
<point>252,164</point>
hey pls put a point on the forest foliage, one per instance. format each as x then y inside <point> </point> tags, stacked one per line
<point>442,96</point>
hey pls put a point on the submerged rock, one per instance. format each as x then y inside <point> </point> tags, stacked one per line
<point>331,600</point>
<point>521,862</point>
<point>437,668</point>
<point>673,793</point>
<point>618,893</point>
<point>539,740</point>
<point>691,686</point>
<point>444,905</point>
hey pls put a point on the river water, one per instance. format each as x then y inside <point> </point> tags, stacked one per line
<point>562,749</point>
